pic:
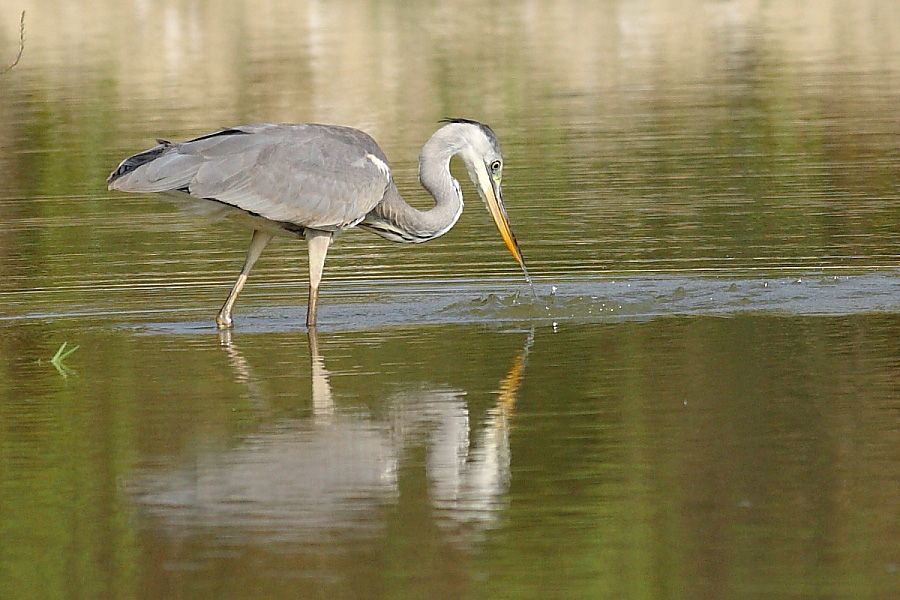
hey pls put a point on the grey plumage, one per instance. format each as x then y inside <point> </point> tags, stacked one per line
<point>267,170</point>
<point>314,180</point>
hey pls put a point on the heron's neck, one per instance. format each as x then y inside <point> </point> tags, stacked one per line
<point>396,220</point>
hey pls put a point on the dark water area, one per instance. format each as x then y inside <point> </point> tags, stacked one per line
<point>700,402</point>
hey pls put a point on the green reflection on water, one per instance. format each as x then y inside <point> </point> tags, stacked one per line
<point>678,457</point>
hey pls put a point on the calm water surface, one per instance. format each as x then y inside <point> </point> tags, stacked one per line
<point>701,403</point>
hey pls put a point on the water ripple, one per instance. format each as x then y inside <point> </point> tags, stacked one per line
<point>376,306</point>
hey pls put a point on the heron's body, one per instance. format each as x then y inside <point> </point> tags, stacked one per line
<point>312,181</point>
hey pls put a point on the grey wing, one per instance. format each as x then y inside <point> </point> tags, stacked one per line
<point>317,176</point>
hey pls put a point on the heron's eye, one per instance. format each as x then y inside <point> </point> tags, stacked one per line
<point>495,166</point>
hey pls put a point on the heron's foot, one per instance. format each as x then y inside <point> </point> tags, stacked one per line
<point>224,321</point>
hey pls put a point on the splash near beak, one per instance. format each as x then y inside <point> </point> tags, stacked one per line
<point>490,193</point>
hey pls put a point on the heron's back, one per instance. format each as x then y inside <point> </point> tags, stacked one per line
<point>299,176</point>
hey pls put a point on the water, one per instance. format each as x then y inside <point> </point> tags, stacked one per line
<point>699,403</point>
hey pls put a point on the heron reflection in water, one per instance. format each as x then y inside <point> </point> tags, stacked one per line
<point>300,477</point>
<point>313,181</point>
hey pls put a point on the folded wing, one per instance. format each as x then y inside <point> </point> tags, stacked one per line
<point>317,176</point>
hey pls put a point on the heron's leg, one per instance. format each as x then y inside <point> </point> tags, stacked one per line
<point>317,244</point>
<point>257,245</point>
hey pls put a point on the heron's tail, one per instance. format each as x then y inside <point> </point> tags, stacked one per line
<point>132,163</point>
<point>163,168</point>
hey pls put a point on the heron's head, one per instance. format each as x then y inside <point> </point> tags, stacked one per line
<point>476,144</point>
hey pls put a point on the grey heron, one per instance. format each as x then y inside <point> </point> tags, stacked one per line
<point>311,181</point>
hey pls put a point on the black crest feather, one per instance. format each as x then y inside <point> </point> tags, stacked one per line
<point>467,121</point>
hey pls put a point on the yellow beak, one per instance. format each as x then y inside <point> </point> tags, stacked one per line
<point>489,189</point>
<point>492,198</point>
